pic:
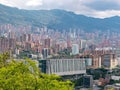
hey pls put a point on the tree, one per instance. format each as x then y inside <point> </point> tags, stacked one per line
<point>24,75</point>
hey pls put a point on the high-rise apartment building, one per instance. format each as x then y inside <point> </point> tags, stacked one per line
<point>45,52</point>
<point>109,60</point>
<point>47,43</point>
<point>75,49</point>
<point>7,44</point>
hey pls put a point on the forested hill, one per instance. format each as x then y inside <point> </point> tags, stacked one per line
<point>56,19</point>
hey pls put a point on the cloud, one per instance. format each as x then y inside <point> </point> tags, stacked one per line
<point>22,4</point>
<point>108,13</point>
<point>34,3</point>
<point>102,5</point>
<point>93,8</point>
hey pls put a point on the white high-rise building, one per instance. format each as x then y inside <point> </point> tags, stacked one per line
<point>83,44</point>
<point>75,49</point>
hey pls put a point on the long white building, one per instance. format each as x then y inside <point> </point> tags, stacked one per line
<point>63,66</point>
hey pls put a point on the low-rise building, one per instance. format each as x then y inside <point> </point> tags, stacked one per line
<point>88,81</point>
<point>63,66</point>
<point>112,87</point>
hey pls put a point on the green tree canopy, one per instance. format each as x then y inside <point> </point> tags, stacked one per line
<point>25,75</point>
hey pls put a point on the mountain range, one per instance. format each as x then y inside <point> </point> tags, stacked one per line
<point>56,19</point>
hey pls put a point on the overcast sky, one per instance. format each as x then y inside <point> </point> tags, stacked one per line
<point>93,8</point>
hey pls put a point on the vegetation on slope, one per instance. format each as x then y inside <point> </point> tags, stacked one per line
<point>24,75</point>
<point>56,19</point>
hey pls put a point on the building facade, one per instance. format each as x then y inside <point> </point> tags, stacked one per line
<point>63,66</point>
<point>75,49</point>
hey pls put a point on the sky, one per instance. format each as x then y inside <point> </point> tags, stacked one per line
<point>91,8</point>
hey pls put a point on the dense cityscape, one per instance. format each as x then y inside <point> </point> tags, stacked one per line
<point>59,45</point>
<point>72,54</point>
